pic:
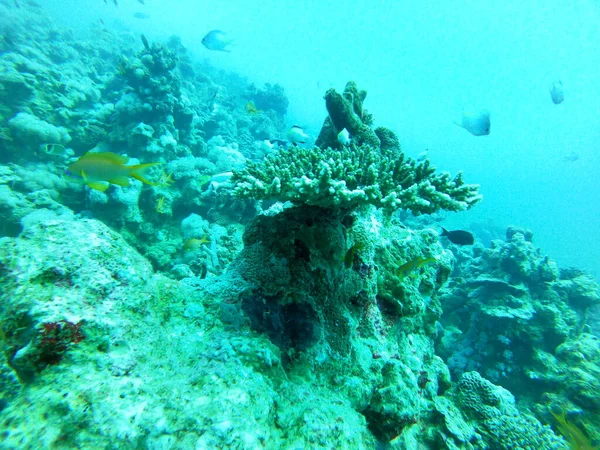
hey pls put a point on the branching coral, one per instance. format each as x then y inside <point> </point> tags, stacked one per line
<point>373,171</point>
<point>354,176</point>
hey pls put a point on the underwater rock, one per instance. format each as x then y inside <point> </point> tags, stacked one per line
<point>346,111</point>
<point>581,291</point>
<point>16,88</point>
<point>33,131</point>
<point>272,96</point>
<point>498,420</point>
<point>518,323</point>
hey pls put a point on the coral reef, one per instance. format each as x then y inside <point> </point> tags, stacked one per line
<point>177,315</point>
<point>512,315</point>
<point>272,97</point>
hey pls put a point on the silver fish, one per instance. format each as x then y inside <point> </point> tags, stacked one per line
<point>297,135</point>
<point>476,123</point>
<point>216,40</point>
<point>344,138</point>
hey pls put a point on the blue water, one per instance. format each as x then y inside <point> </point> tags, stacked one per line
<point>422,63</point>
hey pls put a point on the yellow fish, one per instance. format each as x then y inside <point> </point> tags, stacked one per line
<point>99,170</point>
<point>194,244</point>
<point>349,256</point>
<point>160,205</point>
<point>165,180</point>
<point>251,109</point>
<point>419,261</point>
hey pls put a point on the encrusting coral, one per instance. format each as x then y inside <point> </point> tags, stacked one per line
<point>375,172</point>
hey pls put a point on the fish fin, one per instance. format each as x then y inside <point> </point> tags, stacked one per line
<point>444,232</point>
<point>120,181</point>
<point>138,172</point>
<point>98,186</point>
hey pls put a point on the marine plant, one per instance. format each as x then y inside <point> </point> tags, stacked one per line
<point>374,171</point>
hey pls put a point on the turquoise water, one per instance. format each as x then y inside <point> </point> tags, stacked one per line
<point>221,225</point>
<point>422,64</point>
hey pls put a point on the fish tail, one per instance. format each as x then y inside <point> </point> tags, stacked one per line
<point>139,172</point>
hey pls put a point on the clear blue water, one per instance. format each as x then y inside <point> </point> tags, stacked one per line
<point>422,63</point>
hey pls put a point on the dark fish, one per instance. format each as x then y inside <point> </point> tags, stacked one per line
<point>115,2</point>
<point>458,237</point>
<point>142,2</point>
<point>145,42</point>
<point>279,142</point>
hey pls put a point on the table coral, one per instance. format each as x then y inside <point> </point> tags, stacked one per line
<point>351,177</point>
<point>374,171</point>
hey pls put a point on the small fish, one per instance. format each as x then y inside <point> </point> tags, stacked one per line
<point>476,123</point>
<point>142,2</point>
<point>220,178</point>
<point>99,170</point>
<point>344,138</point>
<point>423,155</point>
<point>215,180</point>
<point>17,4</point>
<point>160,205</point>
<point>141,15</point>
<point>251,109</point>
<point>557,93</point>
<point>115,2</point>
<point>349,256</point>
<point>416,263</point>
<point>165,180</point>
<point>145,42</point>
<point>203,271</point>
<point>458,237</point>
<point>572,157</point>
<point>297,135</point>
<point>54,150</point>
<point>194,244</point>
<point>216,40</point>
<point>278,142</point>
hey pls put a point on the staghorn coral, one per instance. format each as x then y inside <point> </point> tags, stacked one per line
<point>354,176</point>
